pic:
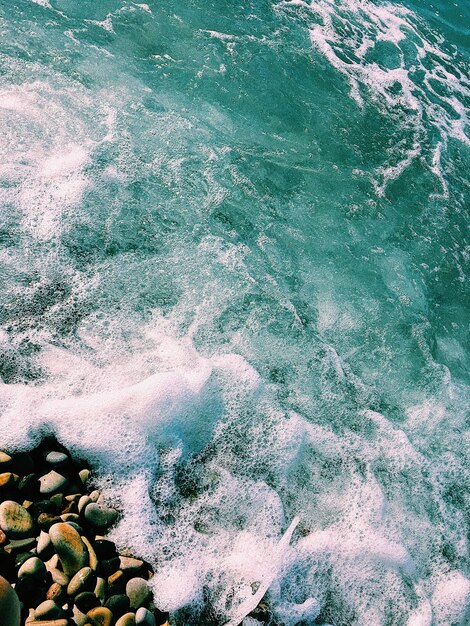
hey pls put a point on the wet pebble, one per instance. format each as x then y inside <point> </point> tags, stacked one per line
<point>126,620</point>
<point>15,521</point>
<point>82,581</point>
<point>86,601</point>
<point>9,604</point>
<point>48,610</point>
<point>144,617</point>
<point>51,483</point>
<point>118,605</point>
<point>100,616</point>
<point>34,568</point>
<point>100,516</point>
<point>138,592</point>
<point>69,547</point>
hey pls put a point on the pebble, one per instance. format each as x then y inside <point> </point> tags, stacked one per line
<point>86,601</point>
<point>130,565</point>
<point>82,503</point>
<point>126,620</point>
<point>118,605</point>
<point>15,521</point>
<point>57,458</point>
<point>20,545</point>
<point>82,581</point>
<point>138,592</point>
<point>56,592</point>
<point>52,483</point>
<point>33,567</point>
<point>48,610</point>
<point>79,618</point>
<point>7,479</point>
<point>100,590</point>
<point>44,546</point>
<point>92,558</point>
<point>84,475</point>
<point>5,459</point>
<point>9,604</point>
<point>69,547</point>
<point>100,516</point>
<point>144,617</point>
<point>100,616</point>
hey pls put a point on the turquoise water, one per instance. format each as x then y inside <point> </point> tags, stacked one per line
<point>234,274</point>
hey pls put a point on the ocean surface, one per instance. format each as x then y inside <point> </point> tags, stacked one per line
<point>234,275</point>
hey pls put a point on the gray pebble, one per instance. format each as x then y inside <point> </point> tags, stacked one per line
<point>100,516</point>
<point>52,483</point>
<point>138,592</point>
<point>144,617</point>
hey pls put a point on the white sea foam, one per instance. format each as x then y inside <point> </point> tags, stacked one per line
<point>346,34</point>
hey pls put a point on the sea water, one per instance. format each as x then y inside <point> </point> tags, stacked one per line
<point>234,276</point>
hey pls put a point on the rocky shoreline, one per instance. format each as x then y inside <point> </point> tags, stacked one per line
<point>56,566</point>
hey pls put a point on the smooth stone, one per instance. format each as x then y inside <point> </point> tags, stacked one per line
<point>28,486</point>
<point>22,558</point>
<point>126,620</point>
<point>101,589</point>
<point>33,567</point>
<point>129,565</point>
<point>69,547</point>
<point>52,483</point>
<point>92,558</point>
<point>44,546</point>
<point>94,495</point>
<point>79,618</point>
<point>143,617</point>
<point>138,592</point>
<point>86,601</point>
<point>7,479</point>
<point>82,503</point>
<point>5,459</point>
<point>84,475</point>
<point>100,616</point>
<point>48,610</point>
<point>3,537</point>
<point>118,605</point>
<point>82,581</point>
<point>10,608</point>
<point>57,458</point>
<point>20,545</point>
<point>46,520</point>
<point>116,577</point>
<point>70,517</point>
<point>100,516</point>
<point>15,521</point>
<point>56,592</point>
<point>73,497</point>
<point>58,500</point>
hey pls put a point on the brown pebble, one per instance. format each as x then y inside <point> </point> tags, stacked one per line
<point>100,616</point>
<point>7,479</point>
<point>56,592</point>
<point>116,577</point>
<point>9,604</point>
<point>126,620</point>
<point>70,548</point>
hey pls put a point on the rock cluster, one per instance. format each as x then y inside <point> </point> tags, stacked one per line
<point>56,566</point>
